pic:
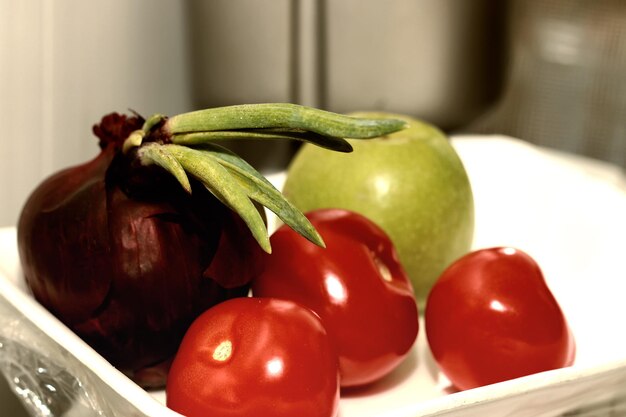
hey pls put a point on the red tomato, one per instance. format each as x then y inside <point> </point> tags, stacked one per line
<point>356,285</point>
<point>255,357</point>
<point>491,317</point>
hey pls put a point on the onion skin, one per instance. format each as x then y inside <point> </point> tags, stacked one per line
<point>128,261</point>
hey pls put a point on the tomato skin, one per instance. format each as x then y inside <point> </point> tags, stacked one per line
<point>491,317</point>
<point>255,357</point>
<point>371,315</point>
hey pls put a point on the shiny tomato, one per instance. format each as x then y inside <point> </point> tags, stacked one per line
<point>356,285</point>
<point>491,317</point>
<point>255,357</point>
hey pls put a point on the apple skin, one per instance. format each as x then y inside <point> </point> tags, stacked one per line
<point>412,183</point>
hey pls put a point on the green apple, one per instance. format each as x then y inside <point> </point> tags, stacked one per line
<point>411,183</point>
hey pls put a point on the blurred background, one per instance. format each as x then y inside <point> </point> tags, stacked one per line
<point>552,72</point>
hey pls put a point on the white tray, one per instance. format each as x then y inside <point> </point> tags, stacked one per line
<point>568,212</point>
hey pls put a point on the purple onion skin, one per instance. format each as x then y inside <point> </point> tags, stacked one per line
<point>127,259</point>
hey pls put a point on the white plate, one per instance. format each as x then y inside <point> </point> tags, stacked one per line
<point>568,212</point>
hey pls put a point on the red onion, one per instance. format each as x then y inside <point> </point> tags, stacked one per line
<point>129,248</point>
